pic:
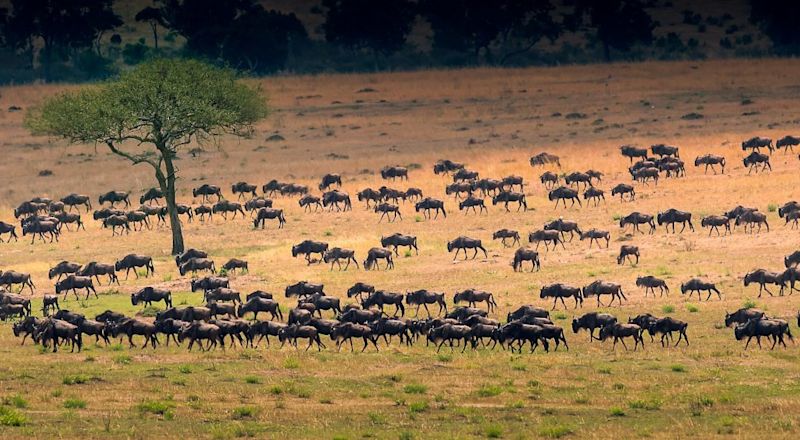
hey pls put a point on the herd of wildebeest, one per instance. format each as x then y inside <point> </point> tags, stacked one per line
<point>222,316</point>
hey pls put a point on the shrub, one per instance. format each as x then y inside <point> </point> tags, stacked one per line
<point>617,412</point>
<point>414,388</point>
<point>185,369</point>
<point>668,309</point>
<point>748,303</point>
<point>494,431</point>
<point>75,404</point>
<point>489,391</point>
<point>276,390</point>
<point>418,407</point>
<point>17,401</point>
<point>252,380</point>
<point>554,430</point>
<point>678,368</point>
<point>692,308</point>
<point>11,417</point>
<point>244,412</point>
<point>156,407</point>
<point>75,379</point>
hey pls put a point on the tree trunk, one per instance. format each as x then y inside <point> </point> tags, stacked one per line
<point>167,184</point>
<point>155,35</point>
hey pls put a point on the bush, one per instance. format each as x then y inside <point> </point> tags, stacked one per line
<point>17,401</point>
<point>244,412</point>
<point>252,380</point>
<point>156,407</point>
<point>413,388</point>
<point>554,430</point>
<point>75,379</point>
<point>668,309</point>
<point>418,407</point>
<point>692,308</point>
<point>677,368</point>
<point>74,404</point>
<point>748,304</point>
<point>489,391</point>
<point>11,417</point>
<point>494,431</point>
<point>617,412</point>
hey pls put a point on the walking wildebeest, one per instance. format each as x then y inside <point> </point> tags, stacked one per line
<point>559,291</point>
<point>243,188</point>
<point>464,175</point>
<point>564,226</point>
<point>117,221</point>
<point>504,234</point>
<point>756,144</point>
<point>425,205</point>
<point>622,189</point>
<point>358,289</point>
<point>387,208</point>
<point>621,331</point>
<point>11,277</point>
<point>421,298</point>
<point>562,194</point>
<point>650,283</point>
<point>254,204</point>
<point>507,197</point>
<point>698,285</point>
<point>308,247</point>
<point>472,202</point>
<point>375,254</point>
<point>672,216</point>
<point>545,158</point>
<point>394,172</point>
<point>599,288</point>
<point>331,199</point>
<point>457,189</point>
<point>256,305</point>
<point>549,179</point>
<point>381,298</point>
<point>664,150</point>
<point>115,197</point>
<point>743,315</point>
<point>194,265</point>
<point>63,268</point>
<point>95,269</point>
<point>631,152</point>
<point>396,240</point>
<point>73,200</point>
<point>751,218</point>
<point>625,252</point>
<point>646,174</point>
<point>754,159</point>
<point>594,235</point>
<point>74,282</point>
<point>787,142</point>
<point>709,160</point>
<point>756,328</point>
<point>764,277</point>
<point>11,230</point>
<point>511,182</point>
<point>132,261</point>
<point>151,195</point>
<point>713,222</point>
<point>304,288</point>
<point>577,178</point>
<point>525,254</point>
<point>463,243</point>
<point>591,321</point>
<point>265,214</point>
<point>205,190</point>
<point>334,255</point>
<point>225,206</point>
<point>149,295</point>
<point>307,201</point>
<point>548,237</point>
<point>636,218</point>
<point>595,194</point>
<point>446,166</point>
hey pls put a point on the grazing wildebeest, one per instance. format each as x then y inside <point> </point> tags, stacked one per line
<point>73,200</point>
<point>594,235</point>
<point>562,194</point>
<point>764,277</point>
<point>757,143</point>
<point>49,303</point>
<point>394,172</point>
<point>74,282</point>
<point>386,209</point>
<point>63,268</point>
<point>507,197</point>
<point>396,240</point>
<point>293,189</point>
<point>304,288</point>
<point>429,203</point>
<point>151,195</point>
<point>787,142</point>
<point>11,277</point>
<point>599,288</point>
<point>577,178</point>
<point>446,166</point>
<point>474,296</point>
<point>672,216</point>
<point>631,152</point>
<point>458,188</point>
<point>331,199</point>
<point>308,247</point>
<point>622,189</point>
<point>117,221</point>
<point>11,230</point>
<point>751,218</point>
<point>369,195</point>
<point>67,218</point>
<point>591,321</point>
<point>636,218</point>
<point>756,328</point>
<point>754,159</point>
<point>358,289</point>
<point>713,222</point>
<point>265,214</point>
<point>464,175</point>
<point>621,331</point>
<point>559,291</point>
<point>463,243</point>
<point>545,158</point>
<point>375,254</point>
<point>307,201</point>
<point>472,202</point>
<point>132,261</point>
<point>792,259</point>
<point>222,294</point>
<point>335,255</point>
<point>149,295</point>
<point>662,150</point>
<point>257,305</point>
<point>595,194</point>
<point>421,298</point>
<point>225,206</point>
<point>549,179</point>
<point>243,188</point>
<point>511,182</point>
<point>524,254</point>
<point>504,234</point>
<point>650,283</point>
<point>564,226</point>
<point>196,264</point>
<point>698,285</point>
<point>646,174</point>
<point>205,190</point>
<point>95,269</point>
<point>709,160</point>
<point>625,252</point>
<point>548,237</point>
<point>115,197</point>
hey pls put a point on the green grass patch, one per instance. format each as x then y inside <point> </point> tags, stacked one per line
<point>560,316</point>
<point>442,357</point>
<point>157,407</point>
<point>677,368</point>
<point>650,405</point>
<point>75,379</point>
<point>276,390</point>
<point>415,388</point>
<point>772,207</point>
<point>667,308</point>
<point>604,370</point>
<point>616,412</point>
<point>692,308</point>
<point>17,401</point>
<point>11,417</point>
<point>123,359</point>
<point>489,391</point>
<point>418,407</point>
<point>244,412</point>
<point>493,431</point>
<point>749,304</point>
<point>291,363</point>
<point>253,380</point>
<point>74,403</point>
<point>185,369</point>
<point>553,429</point>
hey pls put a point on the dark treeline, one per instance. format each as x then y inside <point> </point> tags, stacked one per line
<point>79,40</point>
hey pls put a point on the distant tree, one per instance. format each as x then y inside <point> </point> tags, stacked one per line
<point>203,23</point>
<point>778,20</point>
<point>59,27</point>
<point>154,18</point>
<point>150,113</point>
<point>379,26</point>
<point>259,40</point>
<point>618,24</point>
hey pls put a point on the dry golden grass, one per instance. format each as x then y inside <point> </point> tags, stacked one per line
<point>493,120</point>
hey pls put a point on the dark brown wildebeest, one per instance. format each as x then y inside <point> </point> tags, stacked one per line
<point>74,200</point>
<point>63,268</point>
<point>67,218</point>
<point>388,327</point>
<point>425,205</point>
<point>549,179</point>
<point>95,269</point>
<point>149,295</point>
<point>74,282</point>
<point>194,265</point>
<point>263,330</point>
<point>511,182</point>
<point>751,218</point>
<point>754,159</point>
<point>757,143</point>
<point>559,291</point>
<point>265,214</point>
<point>205,190</point>
<point>396,240</point>
<point>375,254</point>
<point>446,166</point>
<point>386,209</point>
<point>463,243</point>
<point>109,316</point>
<point>369,195</point>
<point>29,208</point>
<point>646,174</point>
<point>358,289</point>
<point>672,216</point>
<point>346,331</point>
<point>650,283</point>
<point>709,160</point>
<point>359,316</point>
<point>474,296</point>
<point>449,333</point>
<point>136,218</point>
<point>673,168</point>
<point>131,327</point>
<point>458,188</point>
<point>309,247</point>
<point>464,175</point>
<point>150,196</point>
<point>221,309</point>
<point>625,253</point>
<point>463,313</point>
<point>764,277</point>
<point>8,311</point>
<point>548,237</point>
<point>292,333</point>
<point>631,152</point>
<point>787,142</point>
<point>504,234</point>
<point>271,187</point>
<point>756,328</point>
<point>49,303</point>
<point>591,321</point>
<point>713,222</point>
<point>421,298</point>
<point>256,305</point>
<point>525,254</point>
<point>234,263</point>
<point>636,218</point>
<point>304,288</point>
<point>662,150</point>
<point>486,186</point>
<point>41,228</point>
<point>243,188</point>
<point>293,189</point>
<point>507,197</point>
<point>563,226</point>
<point>665,326</point>
<point>394,172</point>
<point>698,285</point>
<point>527,310</point>
<point>26,327</point>
<point>188,255</point>
<point>472,202</point>
<point>623,189</point>
<point>11,277</point>
<point>380,298</point>
<point>788,207</point>
<point>171,328</point>
<point>412,194</point>
<point>737,211</point>
<point>199,331</point>
<point>743,315</point>
<point>595,194</point>
<point>307,201</point>
<point>599,288</point>
<point>132,261</point>
<point>117,221</point>
<point>11,230</point>
<point>392,194</point>
<point>330,179</point>
<point>258,294</point>
<point>222,294</point>
<point>794,217</point>
<point>562,194</point>
<point>225,206</point>
<point>594,235</point>
<point>621,331</point>
<point>332,199</point>
<point>335,255</point>
<point>577,178</point>
<point>180,208</point>
<point>115,197</point>
<point>545,158</point>
<point>209,283</point>
<point>54,330</point>
<point>792,259</point>
<point>594,174</point>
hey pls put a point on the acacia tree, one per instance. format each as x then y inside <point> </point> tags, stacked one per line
<point>150,113</point>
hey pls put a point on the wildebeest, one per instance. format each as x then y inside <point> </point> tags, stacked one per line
<point>392,194</point>
<point>63,268</point>
<point>394,172</point>
<point>562,194</point>
<point>446,166</point>
<point>369,195</point>
<point>625,252</point>
<point>304,288</point>
<point>49,303</point>
<point>458,188</point>
<point>429,203</point>
<point>549,179</point>
<point>709,160</point>
<point>222,294</point>
<point>225,206</point>
<point>209,283</point>
<point>594,235</point>
<point>332,199</point>
<point>205,190</point>
<point>235,263</point>
<point>95,269</point>
<point>564,226</point>
<point>757,143</point>
<point>135,218</point>
<point>792,259</point>
<point>463,243</point>
<point>631,152</point>
<point>464,175</point>
<point>788,207</point>
<point>595,194</point>
<point>54,329</point>
<point>622,189</point>
<point>199,331</point>
<point>743,315</point>
<point>672,216</point>
<point>74,282</point>
<point>650,283</point>
<point>11,299</point>
<point>666,326</point>
<point>577,178</point>
<point>346,331</point>
<point>151,195</point>
<point>11,277</point>
<point>559,291</point>
<point>756,328</point>
<point>396,240</point>
<point>256,305</point>
<point>511,182</point>
<point>472,202</point>
<point>787,142</point>
<point>763,277</point>
<point>644,175</point>
<point>358,289</point>
<point>621,331</point>
<point>380,298</point>
<point>713,222</point>
<point>591,321</point>
<point>754,159</point>
<point>194,265</point>
<point>73,200</point>
<point>292,333</point>
<point>449,333</point>
<point>375,254</point>
<point>132,261</point>
<point>524,254</point>
<point>474,296</point>
<point>752,218</point>
<point>265,214</point>
<point>386,209</point>
<point>271,187</point>
<point>11,230</point>
<point>41,228</point>
<point>68,218</point>
<point>507,197</point>
<point>664,150</point>
<point>117,221</point>
<point>292,189</point>
<point>309,247</point>
<point>336,254</point>
<point>486,186</point>
<point>421,298</point>
<point>636,218</point>
<point>698,285</point>
<point>149,295</point>
<point>307,201</point>
<point>545,158</point>
<point>505,234</point>
<point>203,211</point>
<point>599,288</point>
<point>548,237</point>
<point>115,197</point>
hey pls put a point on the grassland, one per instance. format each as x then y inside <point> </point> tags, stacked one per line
<point>493,120</point>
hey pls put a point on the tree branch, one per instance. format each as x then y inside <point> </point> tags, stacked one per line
<point>133,158</point>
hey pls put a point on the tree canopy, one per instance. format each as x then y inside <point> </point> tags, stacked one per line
<point>380,26</point>
<point>778,20</point>
<point>617,24</point>
<point>150,112</point>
